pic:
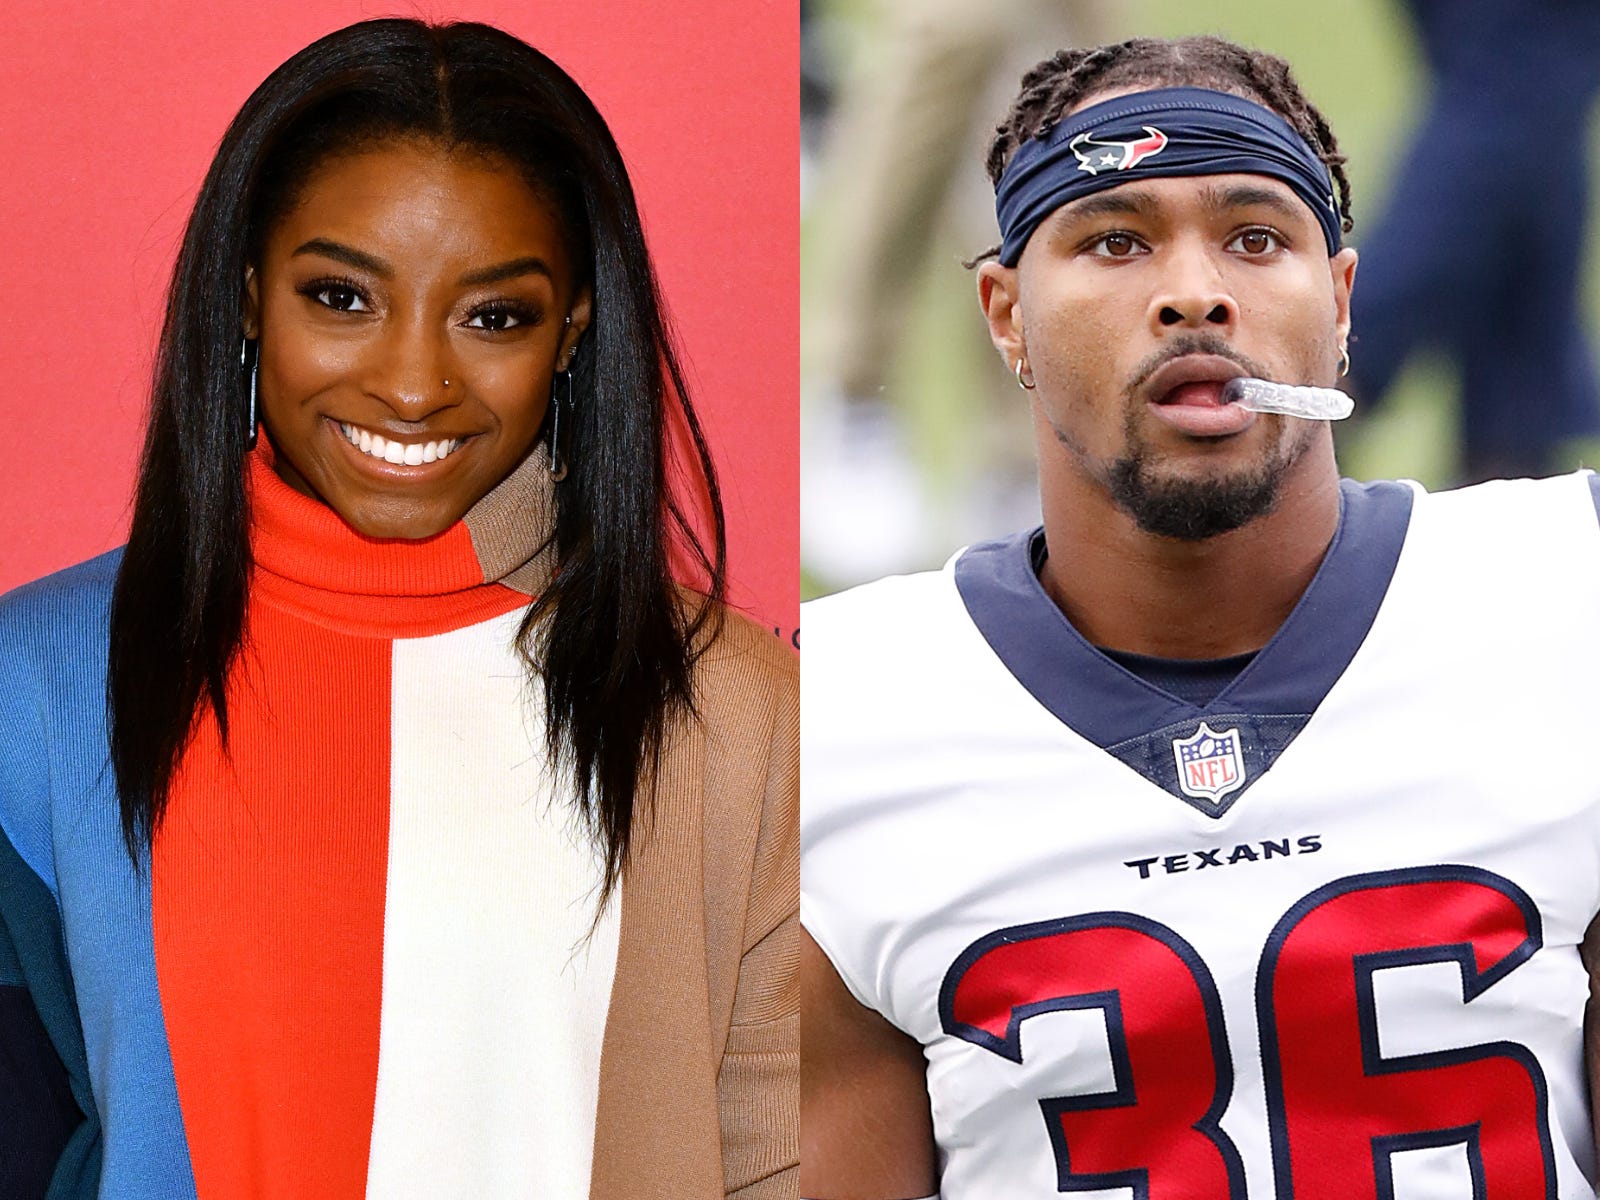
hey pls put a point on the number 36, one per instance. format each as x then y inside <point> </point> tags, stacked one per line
<point>1337,1108</point>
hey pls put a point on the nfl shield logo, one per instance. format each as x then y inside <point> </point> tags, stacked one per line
<point>1210,764</point>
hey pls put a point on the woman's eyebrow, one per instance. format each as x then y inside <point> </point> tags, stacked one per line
<point>348,255</point>
<point>361,260</point>
<point>529,265</point>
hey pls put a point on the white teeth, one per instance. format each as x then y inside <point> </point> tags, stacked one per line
<point>411,454</point>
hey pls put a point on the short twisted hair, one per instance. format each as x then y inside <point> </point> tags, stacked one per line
<point>1061,82</point>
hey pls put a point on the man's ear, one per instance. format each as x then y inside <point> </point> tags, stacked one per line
<point>1001,301</point>
<point>1343,268</point>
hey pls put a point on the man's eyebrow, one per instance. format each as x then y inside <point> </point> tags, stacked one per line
<point>1129,201</point>
<point>1123,201</point>
<point>529,265</point>
<point>1245,195</point>
<point>348,255</point>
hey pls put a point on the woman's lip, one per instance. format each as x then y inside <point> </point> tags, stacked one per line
<point>417,457</point>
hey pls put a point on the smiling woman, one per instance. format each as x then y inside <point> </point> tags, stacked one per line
<point>400,271</point>
<point>447,845</point>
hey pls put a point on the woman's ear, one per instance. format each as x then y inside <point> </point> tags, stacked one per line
<point>577,322</point>
<point>252,303</point>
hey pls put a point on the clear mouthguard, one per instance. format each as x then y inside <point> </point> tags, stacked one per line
<point>1311,403</point>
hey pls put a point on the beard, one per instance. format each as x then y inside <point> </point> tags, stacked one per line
<point>1193,510</point>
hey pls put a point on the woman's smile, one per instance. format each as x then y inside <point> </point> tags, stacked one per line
<point>398,451</point>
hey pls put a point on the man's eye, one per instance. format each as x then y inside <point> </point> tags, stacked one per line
<point>1258,241</point>
<point>1115,245</point>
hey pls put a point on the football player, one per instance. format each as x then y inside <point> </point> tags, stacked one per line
<point>1238,831</point>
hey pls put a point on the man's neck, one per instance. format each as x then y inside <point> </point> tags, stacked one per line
<point>1125,589</point>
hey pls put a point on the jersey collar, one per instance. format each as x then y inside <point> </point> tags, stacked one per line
<point>1269,702</point>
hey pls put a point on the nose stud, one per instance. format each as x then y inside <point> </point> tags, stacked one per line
<point>447,383</point>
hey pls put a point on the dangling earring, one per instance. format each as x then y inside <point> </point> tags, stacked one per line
<point>1344,361</point>
<point>558,465</point>
<point>1022,365</point>
<point>250,359</point>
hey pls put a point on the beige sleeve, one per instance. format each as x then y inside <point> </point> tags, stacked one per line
<point>758,1089</point>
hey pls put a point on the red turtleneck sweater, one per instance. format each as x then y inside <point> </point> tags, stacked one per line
<point>375,919</point>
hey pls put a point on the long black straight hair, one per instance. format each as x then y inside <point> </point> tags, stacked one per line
<point>612,637</point>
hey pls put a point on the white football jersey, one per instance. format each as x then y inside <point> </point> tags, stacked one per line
<point>1316,939</point>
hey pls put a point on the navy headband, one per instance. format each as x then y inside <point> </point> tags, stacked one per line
<point>1168,131</point>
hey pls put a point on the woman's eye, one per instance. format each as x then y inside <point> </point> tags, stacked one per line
<point>494,320</point>
<point>1115,244</point>
<point>339,297</point>
<point>1258,241</point>
<point>497,320</point>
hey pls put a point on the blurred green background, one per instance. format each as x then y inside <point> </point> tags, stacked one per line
<point>1357,61</point>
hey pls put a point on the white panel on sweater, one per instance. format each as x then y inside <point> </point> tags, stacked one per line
<point>495,991</point>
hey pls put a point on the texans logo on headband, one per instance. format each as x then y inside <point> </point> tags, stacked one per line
<point>1116,156</point>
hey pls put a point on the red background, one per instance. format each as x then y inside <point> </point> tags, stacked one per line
<point>109,114</point>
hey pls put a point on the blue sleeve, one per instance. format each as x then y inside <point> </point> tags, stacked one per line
<point>37,1111</point>
<point>49,1131</point>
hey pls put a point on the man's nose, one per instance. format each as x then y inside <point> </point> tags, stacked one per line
<point>1194,292</point>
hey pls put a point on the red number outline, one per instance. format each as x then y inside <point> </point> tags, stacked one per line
<point>1495,947</point>
<point>1476,979</point>
<point>1124,1095</point>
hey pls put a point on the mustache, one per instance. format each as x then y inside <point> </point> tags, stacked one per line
<point>1192,343</point>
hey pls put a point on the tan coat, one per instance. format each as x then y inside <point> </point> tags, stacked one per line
<point>699,1076</point>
